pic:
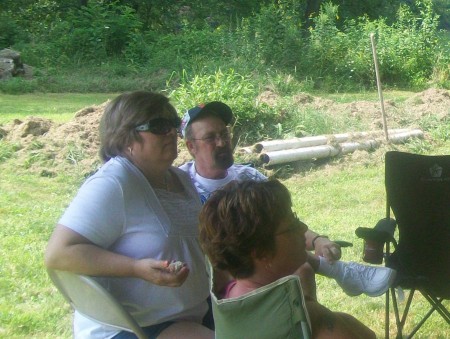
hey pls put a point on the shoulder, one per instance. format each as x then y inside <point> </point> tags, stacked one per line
<point>246,172</point>
<point>113,168</point>
<point>117,175</point>
<point>181,173</point>
<point>187,167</point>
<point>186,180</point>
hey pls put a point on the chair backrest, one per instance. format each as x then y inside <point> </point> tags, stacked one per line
<point>273,311</point>
<point>418,192</point>
<point>93,301</point>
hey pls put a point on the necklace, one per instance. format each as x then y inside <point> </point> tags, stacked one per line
<point>162,184</point>
<point>166,181</point>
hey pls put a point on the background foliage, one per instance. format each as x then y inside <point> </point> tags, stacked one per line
<point>324,42</point>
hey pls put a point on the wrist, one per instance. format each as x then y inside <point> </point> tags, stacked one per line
<point>136,270</point>
<point>313,242</point>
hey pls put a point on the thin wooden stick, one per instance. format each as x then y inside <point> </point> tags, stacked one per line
<point>380,93</point>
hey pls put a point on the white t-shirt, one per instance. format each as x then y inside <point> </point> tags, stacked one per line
<point>118,210</point>
<point>205,187</point>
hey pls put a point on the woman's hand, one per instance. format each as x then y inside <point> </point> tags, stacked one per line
<point>158,272</point>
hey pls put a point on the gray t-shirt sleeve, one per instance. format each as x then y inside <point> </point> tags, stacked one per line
<point>97,211</point>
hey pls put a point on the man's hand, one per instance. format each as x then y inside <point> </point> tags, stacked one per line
<point>325,248</point>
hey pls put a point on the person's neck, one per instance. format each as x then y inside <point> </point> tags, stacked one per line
<point>247,285</point>
<point>211,173</point>
<point>157,176</point>
<point>159,180</point>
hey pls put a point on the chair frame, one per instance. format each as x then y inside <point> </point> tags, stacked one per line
<point>73,287</point>
<point>400,318</point>
<point>291,282</point>
<point>384,232</point>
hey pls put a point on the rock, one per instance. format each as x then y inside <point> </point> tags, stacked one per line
<point>6,68</point>
<point>11,65</point>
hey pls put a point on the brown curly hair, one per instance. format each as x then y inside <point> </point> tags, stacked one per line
<point>240,220</point>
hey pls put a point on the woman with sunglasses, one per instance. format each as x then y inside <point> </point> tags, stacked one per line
<point>248,229</point>
<point>132,219</point>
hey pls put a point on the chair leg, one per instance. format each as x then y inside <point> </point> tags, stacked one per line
<point>386,319</point>
<point>437,305</point>
<point>401,322</point>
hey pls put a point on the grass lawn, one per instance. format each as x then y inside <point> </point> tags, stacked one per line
<point>54,106</point>
<point>334,199</point>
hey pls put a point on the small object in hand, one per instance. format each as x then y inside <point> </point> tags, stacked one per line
<point>343,243</point>
<point>175,266</point>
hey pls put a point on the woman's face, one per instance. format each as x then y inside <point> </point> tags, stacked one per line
<point>290,248</point>
<point>155,150</point>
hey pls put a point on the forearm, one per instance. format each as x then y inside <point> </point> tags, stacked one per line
<point>91,260</point>
<point>310,236</point>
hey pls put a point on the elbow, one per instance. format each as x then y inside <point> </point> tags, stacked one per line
<point>50,259</point>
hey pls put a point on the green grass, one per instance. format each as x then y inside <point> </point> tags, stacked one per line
<point>29,208</point>
<point>54,106</point>
<point>334,199</point>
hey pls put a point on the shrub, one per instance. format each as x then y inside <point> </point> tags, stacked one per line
<point>95,32</point>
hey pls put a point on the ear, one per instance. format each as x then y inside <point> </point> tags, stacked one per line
<point>190,147</point>
<point>261,257</point>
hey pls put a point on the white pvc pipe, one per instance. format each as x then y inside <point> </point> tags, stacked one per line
<point>296,154</point>
<point>324,151</point>
<point>276,145</point>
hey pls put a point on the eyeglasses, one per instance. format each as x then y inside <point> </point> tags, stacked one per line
<point>225,136</point>
<point>296,226</point>
<point>159,126</point>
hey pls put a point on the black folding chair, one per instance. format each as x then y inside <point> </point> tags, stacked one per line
<point>418,194</point>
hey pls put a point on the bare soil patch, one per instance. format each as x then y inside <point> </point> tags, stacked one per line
<point>49,148</point>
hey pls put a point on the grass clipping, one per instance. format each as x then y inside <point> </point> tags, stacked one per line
<point>48,148</point>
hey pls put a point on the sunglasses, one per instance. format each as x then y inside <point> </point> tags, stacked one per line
<point>296,226</point>
<point>159,126</point>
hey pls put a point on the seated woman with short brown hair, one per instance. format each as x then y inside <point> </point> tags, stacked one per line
<point>249,230</point>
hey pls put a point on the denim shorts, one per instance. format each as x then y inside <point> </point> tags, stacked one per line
<point>152,331</point>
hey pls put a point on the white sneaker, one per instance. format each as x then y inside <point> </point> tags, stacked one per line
<point>356,279</point>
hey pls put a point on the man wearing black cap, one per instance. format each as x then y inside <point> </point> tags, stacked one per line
<point>207,135</point>
<point>208,140</point>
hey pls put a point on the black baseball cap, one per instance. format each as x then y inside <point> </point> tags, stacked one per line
<point>216,108</point>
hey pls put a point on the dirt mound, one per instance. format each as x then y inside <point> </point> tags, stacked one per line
<point>432,102</point>
<point>49,148</point>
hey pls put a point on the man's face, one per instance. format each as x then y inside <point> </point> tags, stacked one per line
<point>210,144</point>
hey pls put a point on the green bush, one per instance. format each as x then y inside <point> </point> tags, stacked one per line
<point>334,53</point>
<point>232,88</point>
<point>10,32</point>
<point>408,50</point>
<point>95,32</point>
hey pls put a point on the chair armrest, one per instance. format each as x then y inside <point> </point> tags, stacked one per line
<point>372,234</point>
<point>382,232</point>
